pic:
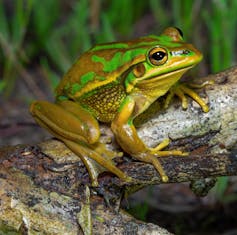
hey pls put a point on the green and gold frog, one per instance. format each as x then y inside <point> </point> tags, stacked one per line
<point>114,83</point>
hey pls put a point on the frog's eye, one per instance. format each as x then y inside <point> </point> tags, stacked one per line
<point>158,56</point>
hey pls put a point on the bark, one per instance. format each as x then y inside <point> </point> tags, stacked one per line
<point>45,189</point>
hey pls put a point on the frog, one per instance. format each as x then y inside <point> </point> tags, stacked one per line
<point>113,83</point>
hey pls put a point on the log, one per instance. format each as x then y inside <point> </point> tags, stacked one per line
<point>45,188</point>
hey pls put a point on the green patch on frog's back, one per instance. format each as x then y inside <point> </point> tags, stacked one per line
<point>85,79</point>
<point>119,59</point>
<point>113,70</point>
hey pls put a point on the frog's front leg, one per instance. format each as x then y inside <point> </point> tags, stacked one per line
<point>79,130</point>
<point>127,137</point>
<point>182,88</point>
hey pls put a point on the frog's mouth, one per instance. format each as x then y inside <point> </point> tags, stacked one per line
<point>163,80</point>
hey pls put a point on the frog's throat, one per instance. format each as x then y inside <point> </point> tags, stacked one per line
<point>163,79</point>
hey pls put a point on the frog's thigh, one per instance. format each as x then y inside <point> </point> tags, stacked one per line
<point>69,122</point>
<point>66,119</point>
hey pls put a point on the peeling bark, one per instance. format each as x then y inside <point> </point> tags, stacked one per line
<point>45,189</point>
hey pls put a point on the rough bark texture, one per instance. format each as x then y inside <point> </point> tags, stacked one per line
<point>44,189</point>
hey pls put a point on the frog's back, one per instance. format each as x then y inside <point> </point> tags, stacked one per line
<point>102,65</point>
<point>96,80</point>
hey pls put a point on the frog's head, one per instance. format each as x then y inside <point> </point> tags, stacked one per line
<point>166,59</point>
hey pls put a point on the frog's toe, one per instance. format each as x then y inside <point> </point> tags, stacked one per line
<point>158,150</point>
<point>160,146</point>
<point>176,90</point>
<point>156,163</point>
<point>171,153</point>
<point>197,86</point>
<point>186,90</point>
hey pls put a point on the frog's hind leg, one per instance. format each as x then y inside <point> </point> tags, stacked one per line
<point>90,158</point>
<point>79,130</point>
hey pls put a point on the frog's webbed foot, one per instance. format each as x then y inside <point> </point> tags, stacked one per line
<point>182,89</point>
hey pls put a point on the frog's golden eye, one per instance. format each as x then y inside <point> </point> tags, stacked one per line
<point>158,56</point>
